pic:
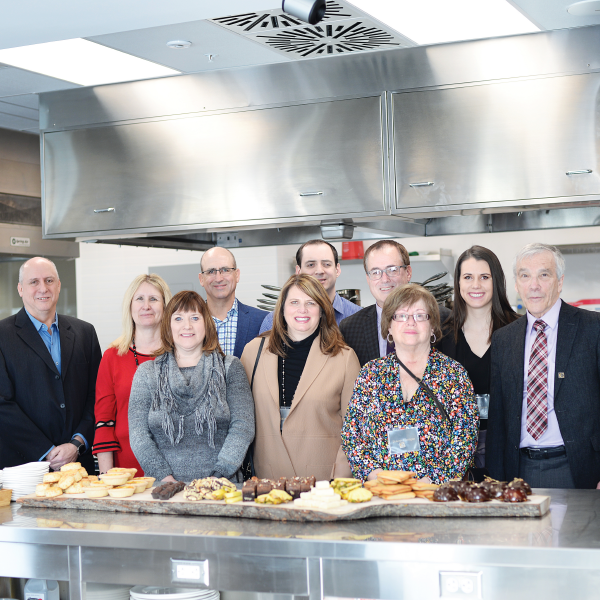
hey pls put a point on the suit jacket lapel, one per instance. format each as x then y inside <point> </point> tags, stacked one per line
<point>67,341</point>
<point>31,337</point>
<point>371,333</point>
<point>314,364</point>
<point>517,363</point>
<point>242,329</point>
<point>567,328</point>
<point>269,366</point>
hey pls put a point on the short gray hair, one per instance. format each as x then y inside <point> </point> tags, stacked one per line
<point>537,248</point>
<point>22,267</point>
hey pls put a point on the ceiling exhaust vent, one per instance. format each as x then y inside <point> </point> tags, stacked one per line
<point>334,38</point>
<point>344,29</point>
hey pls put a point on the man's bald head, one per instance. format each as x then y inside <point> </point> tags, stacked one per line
<point>39,287</point>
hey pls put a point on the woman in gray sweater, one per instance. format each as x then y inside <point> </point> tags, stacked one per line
<point>191,412</point>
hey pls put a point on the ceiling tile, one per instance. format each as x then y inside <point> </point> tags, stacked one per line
<point>552,14</point>
<point>229,50</point>
<point>17,81</point>
<point>36,21</point>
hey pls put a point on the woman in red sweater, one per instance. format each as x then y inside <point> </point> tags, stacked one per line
<point>143,306</point>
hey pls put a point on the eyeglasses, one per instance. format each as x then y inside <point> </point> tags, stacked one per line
<point>391,272</point>
<point>222,270</point>
<point>417,317</point>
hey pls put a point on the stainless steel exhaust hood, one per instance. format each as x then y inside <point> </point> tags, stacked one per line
<point>395,143</point>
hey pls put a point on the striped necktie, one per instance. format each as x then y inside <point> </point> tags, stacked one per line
<point>537,384</point>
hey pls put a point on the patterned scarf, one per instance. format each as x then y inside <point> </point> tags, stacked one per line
<point>205,391</point>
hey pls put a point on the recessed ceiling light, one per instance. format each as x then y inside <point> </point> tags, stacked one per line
<point>588,8</point>
<point>179,44</point>
<point>437,21</point>
<point>83,62</point>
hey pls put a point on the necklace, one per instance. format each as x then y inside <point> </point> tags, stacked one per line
<point>137,362</point>
<point>283,402</point>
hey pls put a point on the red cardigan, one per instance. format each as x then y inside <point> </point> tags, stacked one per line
<point>113,387</point>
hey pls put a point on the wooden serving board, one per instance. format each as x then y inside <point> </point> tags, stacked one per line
<point>536,506</point>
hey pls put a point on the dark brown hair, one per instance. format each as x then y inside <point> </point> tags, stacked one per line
<point>502,312</point>
<point>332,340</point>
<point>381,244</point>
<point>188,301</point>
<point>407,295</point>
<point>314,243</point>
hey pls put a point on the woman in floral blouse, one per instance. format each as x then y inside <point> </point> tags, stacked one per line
<point>395,423</point>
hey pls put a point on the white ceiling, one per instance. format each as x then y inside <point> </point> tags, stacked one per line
<point>142,28</point>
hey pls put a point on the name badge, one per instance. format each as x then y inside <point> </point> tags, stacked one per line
<point>401,441</point>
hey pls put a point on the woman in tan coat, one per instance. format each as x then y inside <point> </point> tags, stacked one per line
<point>303,382</point>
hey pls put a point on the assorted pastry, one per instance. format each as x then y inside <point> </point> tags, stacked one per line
<point>209,488</point>
<point>71,479</point>
<point>167,490</point>
<point>304,492</point>
<point>254,488</point>
<point>400,485</point>
<point>490,489</point>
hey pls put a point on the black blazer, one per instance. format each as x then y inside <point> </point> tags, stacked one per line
<point>360,332</point>
<point>40,408</point>
<point>576,395</point>
<point>249,321</point>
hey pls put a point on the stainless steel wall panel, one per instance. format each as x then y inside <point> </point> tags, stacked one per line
<point>33,560</point>
<point>226,571</point>
<point>309,160</point>
<point>497,142</point>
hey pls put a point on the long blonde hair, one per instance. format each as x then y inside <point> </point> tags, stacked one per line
<point>123,342</point>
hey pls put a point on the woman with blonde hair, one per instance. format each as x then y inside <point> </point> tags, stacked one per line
<point>303,374</point>
<point>191,413</point>
<point>143,306</point>
<point>412,410</point>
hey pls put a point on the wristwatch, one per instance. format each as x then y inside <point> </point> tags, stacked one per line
<point>79,445</point>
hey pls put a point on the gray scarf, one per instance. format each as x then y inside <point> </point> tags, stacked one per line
<point>206,390</point>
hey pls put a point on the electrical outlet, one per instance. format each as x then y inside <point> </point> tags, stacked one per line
<point>460,584</point>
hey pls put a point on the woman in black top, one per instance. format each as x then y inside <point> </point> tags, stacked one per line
<point>480,308</point>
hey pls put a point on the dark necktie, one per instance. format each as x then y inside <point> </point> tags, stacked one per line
<point>537,384</point>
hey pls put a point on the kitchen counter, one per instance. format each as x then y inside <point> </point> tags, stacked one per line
<point>555,556</point>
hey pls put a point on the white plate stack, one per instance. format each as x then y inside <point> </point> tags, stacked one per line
<point>23,478</point>
<point>141,592</point>
<point>107,591</point>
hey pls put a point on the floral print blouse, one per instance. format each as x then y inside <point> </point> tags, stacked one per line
<point>377,406</point>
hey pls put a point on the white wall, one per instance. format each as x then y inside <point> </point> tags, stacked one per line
<point>104,271</point>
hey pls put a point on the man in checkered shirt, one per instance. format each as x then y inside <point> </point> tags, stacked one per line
<point>236,322</point>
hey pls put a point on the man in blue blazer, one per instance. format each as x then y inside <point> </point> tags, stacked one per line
<point>544,418</point>
<point>236,323</point>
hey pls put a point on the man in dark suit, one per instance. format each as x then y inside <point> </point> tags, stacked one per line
<point>236,323</point>
<point>387,265</point>
<point>48,367</point>
<point>544,416</point>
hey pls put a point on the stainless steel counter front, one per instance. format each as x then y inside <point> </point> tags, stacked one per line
<point>556,556</point>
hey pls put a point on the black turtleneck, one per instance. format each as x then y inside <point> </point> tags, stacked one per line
<point>296,357</point>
